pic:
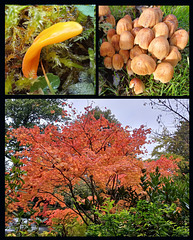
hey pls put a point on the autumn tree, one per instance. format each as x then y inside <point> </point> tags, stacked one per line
<point>101,154</point>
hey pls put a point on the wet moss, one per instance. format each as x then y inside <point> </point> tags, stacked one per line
<point>66,59</point>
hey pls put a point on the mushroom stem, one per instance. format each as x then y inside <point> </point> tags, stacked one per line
<point>138,85</point>
<point>59,32</point>
<point>47,80</point>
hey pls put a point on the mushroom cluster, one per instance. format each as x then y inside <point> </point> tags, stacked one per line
<point>147,45</point>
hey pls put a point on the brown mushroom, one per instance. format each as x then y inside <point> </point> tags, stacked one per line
<point>161,29</point>
<point>110,19</point>
<point>115,42</point>
<point>164,72</point>
<point>171,26</point>
<point>136,50</point>
<point>124,54</point>
<point>179,39</point>
<point>108,62</point>
<point>126,40</point>
<point>144,37</point>
<point>138,85</point>
<point>107,49</point>
<point>118,62</point>
<point>171,17</point>
<point>150,17</point>
<point>159,13</point>
<point>174,56</point>
<point>123,25</point>
<point>136,23</point>
<point>110,33</point>
<point>143,64</point>
<point>135,30</point>
<point>159,47</point>
<point>128,17</point>
<point>128,68</point>
<point>104,11</point>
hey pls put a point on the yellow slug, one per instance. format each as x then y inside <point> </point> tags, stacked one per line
<point>59,32</point>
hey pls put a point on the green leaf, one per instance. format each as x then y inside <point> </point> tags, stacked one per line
<point>87,10</point>
<point>13,169</point>
<point>14,160</point>
<point>41,83</point>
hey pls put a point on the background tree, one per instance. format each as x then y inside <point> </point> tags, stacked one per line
<point>173,143</point>
<point>28,113</point>
<point>178,108</point>
<point>106,114</point>
<point>31,112</point>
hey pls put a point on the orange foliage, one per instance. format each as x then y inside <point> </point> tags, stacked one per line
<point>60,216</point>
<point>166,166</point>
<point>86,147</point>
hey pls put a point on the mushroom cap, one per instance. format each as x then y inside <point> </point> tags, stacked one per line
<point>136,23</point>
<point>143,65</point>
<point>126,40</point>
<point>128,68</point>
<point>125,55</point>
<point>174,56</point>
<point>108,62</point>
<point>159,12</point>
<point>118,62</point>
<point>107,49</point>
<point>128,17</point>
<point>58,32</point>
<point>138,85</point>
<point>150,17</point>
<point>110,19</point>
<point>171,17</point>
<point>171,26</point>
<point>144,37</point>
<point>136,50</point>
<point>159,47</point>
<point>104,10</point>
<point>123,25</point>
<point>164,72</point>
<point>161,29</point>
<point>179,39</point>
<point>135,30</point>
<point>115,42</point>
<point>110,33</point>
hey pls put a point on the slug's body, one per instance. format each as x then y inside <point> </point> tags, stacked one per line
<point>59,32</point>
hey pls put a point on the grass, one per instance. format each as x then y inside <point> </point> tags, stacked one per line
<point>179,84</point>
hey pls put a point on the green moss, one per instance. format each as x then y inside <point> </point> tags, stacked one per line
<point>24,23</point>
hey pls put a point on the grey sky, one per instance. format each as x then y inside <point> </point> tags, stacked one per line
<point>131,112</point>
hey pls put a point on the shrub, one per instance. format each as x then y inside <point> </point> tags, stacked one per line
<point>164,212</point>
<point>147,219</point>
